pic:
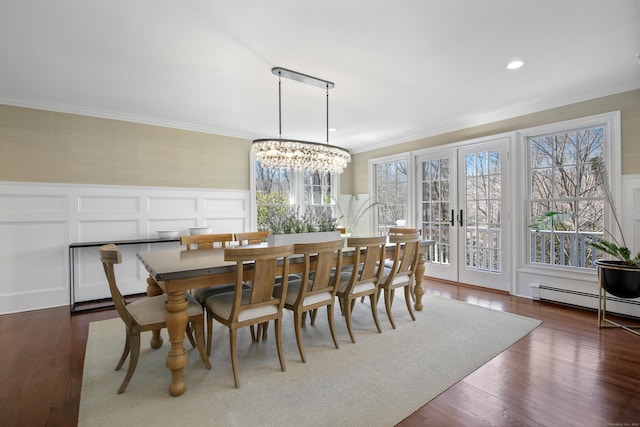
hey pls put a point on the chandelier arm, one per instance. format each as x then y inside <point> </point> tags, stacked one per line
<point>327,114</point>
<point>280,103</point>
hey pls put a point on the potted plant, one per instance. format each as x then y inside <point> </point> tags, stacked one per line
<point>291,227</point>
<point>619,276</point>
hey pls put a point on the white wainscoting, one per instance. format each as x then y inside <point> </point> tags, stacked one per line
<point>39,221</point>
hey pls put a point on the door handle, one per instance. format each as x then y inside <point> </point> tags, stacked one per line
<point>453,220</point>
<point>460,218</point>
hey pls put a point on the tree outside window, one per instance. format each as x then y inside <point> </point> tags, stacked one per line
<point>392,194</point>
<point>281,191</point>
<point>566,202</point>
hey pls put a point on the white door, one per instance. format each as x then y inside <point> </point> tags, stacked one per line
<point>463,195</point>
<point>437,211</point>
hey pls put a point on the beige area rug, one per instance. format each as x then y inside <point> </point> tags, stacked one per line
<point>378,381</point>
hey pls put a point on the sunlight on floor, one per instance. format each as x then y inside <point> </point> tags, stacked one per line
<point>439,293</point>
<point>483,302</point>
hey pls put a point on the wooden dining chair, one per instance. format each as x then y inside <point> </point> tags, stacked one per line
<point>305,295</point>
<point>207,241</point>
<point>364,278</point>
<point>253,306</point>
<point>403,230</point>
<point>401,274</point>
<point>250,237</point>
<point>203,241</point>
<point>145,315</point>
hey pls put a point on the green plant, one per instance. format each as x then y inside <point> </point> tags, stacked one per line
<point>610,245</point>
<point>608,242</point>
<point>289,221</point>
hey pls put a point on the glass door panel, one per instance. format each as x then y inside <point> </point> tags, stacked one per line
<point>436,215</point>
<point>483,225</point>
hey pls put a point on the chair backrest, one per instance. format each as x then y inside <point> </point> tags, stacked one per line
<point>268,263</point>
<point>369,253</point>
<point>320,258</point>
<point>403,230</point>
<point>405,257</point>
<point>250,237</point>
<point>109,255</point>
<point>202,241</point>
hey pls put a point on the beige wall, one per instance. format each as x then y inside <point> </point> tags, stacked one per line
<point>355,180</point>
<point>43,146</point>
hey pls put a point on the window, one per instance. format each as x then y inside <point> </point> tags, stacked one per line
<point>392,194</point>
<point>277,191</point>
<point>566,198</point>
<point>318,192</point>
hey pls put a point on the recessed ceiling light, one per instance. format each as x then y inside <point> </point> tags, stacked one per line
<point>513,65</point>
<point>332,129</point>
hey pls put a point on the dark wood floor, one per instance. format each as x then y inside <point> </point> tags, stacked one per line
<point>566,372</point>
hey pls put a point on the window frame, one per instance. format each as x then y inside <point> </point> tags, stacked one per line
<point>612,159</point>
<point>409,158</point>
<point>297,191</point>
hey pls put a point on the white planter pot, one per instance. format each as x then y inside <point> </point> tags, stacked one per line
<point>286,239</point>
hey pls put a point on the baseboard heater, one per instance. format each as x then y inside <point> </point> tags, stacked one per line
<point>543,292</point>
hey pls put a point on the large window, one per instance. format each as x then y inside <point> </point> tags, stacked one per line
<point>392,194</point>
<point>566,195</point>
<point>278,191</point>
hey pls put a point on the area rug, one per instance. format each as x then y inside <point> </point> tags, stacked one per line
<point>377,381</point>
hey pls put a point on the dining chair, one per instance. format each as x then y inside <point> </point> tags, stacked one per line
<point>364,278</point>
<point>250,237</point>
<point>253,306</point>
<point>202,241</point>
<point>403,230</point>
<point>145,315</point>
<point>305,295</point>
<point>207,241</point>
<point>401,274</point>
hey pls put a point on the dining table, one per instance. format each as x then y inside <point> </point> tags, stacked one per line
<point>176,271</point>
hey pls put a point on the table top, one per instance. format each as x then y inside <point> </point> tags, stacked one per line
<point>180,264</point>
<point>173,264</point>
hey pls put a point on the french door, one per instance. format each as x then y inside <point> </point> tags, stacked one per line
<point>463,208</point>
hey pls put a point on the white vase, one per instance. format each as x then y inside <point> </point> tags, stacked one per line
<point>286,239</point>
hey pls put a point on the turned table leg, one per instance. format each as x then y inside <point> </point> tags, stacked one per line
<point>152,290</point>
<point>177,319</point>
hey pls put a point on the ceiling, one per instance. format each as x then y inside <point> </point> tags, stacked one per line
<point>402,70</point>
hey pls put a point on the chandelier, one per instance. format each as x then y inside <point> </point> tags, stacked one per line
<point>279,153</point>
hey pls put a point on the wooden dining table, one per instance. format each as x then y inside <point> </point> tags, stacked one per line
<point>175,272</point>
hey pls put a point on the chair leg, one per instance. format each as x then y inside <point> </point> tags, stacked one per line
<point>298,326</point>
<point>330,320</point>
<point>125,353</point>
<point>189,332</point>
<point>347,318</point>
<point>374,311</point>
<point>209,333</point>
<point>278,323</point>
<point>134,342</point>
<point>234,355</point>
<point>407,293</point>
<point>314,312</point>
<point>388,301</point>
<point>198,328</point>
